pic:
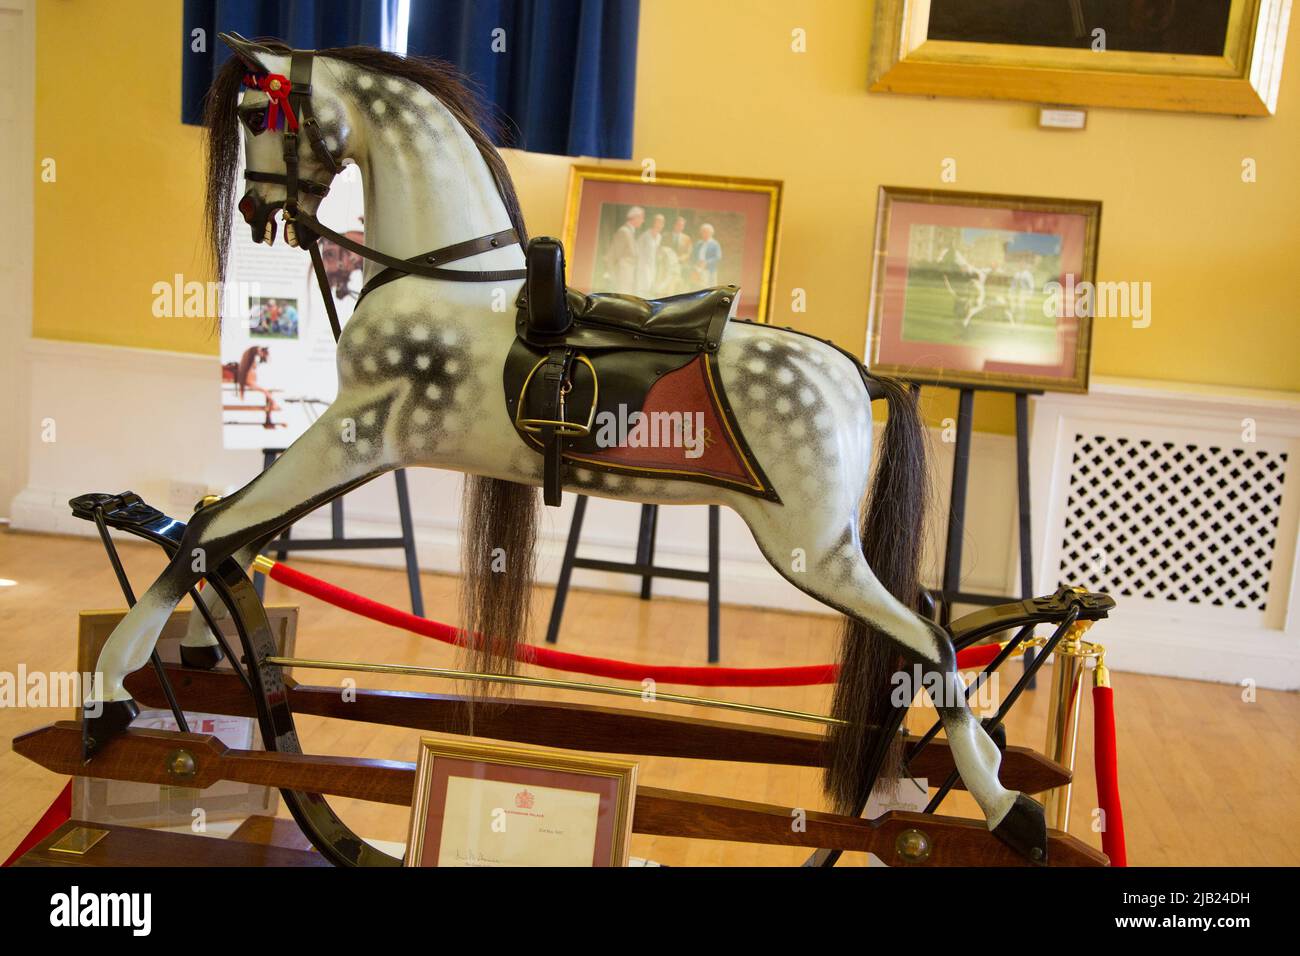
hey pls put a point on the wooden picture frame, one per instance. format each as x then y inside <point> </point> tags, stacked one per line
<point>740,211</point>
<point>1242,80</point>
<point>962,288</point>
<point>479,804</point>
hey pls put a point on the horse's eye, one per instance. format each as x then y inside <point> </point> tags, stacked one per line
<point>254,119</point>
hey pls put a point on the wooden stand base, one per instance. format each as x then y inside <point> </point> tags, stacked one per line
<point>195,760</point>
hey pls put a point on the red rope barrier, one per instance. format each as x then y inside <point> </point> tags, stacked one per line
<point>979,656</point>
<point>1103,719</point>
<point>971,657</point>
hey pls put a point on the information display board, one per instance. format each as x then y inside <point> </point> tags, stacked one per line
<point>278,371</point>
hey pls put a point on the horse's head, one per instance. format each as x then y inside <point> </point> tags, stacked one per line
<point>295,130</point>
<point>296,116</point>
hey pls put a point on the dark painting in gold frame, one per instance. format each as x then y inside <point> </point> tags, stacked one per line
<point>1150,57</point>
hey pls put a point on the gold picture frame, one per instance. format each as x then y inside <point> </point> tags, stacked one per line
<point>612,781</point>
<point>1242,81</point>
<point>928,342</point>
<point>756,273</point>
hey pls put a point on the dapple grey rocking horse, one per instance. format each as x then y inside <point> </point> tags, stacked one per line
<point>435,371</point>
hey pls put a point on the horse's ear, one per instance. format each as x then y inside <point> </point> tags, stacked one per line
<point>246,50</point>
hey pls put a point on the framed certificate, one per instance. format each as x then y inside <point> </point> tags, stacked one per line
<point>495,805</point>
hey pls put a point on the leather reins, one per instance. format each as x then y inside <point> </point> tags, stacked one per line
<point>293,96</point>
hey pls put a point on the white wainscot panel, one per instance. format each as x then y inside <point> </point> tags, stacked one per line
<point>1182,503</point>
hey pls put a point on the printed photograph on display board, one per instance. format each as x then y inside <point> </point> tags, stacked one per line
<point>675,233</point>
<point>975,288</point>
<point>278,354</point>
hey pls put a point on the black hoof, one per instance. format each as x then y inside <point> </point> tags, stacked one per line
<point>203,658</point>
<point>1024,829</point>
<point>113,717</point>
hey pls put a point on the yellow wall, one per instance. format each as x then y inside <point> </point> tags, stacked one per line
<point>126,209</point>
<point>720,91</point>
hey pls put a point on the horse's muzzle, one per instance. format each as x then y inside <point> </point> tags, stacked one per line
<point>260,217</point>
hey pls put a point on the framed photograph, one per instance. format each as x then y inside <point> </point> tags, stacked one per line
<point>982,289</point>
<point>674,233</point>
<point>1204,56</point>
<point>497,805</point>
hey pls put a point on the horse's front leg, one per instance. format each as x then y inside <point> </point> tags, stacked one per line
<point>334,455</point>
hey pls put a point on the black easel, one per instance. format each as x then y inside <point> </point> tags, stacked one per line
<point>644,566</point>
<point>950,592</point>
<point>338,542</point>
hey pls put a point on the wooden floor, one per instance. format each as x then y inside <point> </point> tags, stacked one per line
<point>1207,778</point>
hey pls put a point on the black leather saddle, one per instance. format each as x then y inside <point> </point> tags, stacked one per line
<point>575,354</point>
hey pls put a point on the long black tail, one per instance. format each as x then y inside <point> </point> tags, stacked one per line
<point>892,526</point>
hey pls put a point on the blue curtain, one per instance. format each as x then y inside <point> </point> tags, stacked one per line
<point>566,80</point>
<point>307,24</point>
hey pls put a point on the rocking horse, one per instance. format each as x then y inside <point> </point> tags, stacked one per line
<point>432,371</point>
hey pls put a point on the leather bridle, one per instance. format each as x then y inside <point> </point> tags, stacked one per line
<point>290,99</point>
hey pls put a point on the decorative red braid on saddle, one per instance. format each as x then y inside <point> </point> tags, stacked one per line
<point>277,88</point>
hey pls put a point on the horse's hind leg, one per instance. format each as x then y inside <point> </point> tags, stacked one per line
<point>318,467</point>
<point>838,575</point>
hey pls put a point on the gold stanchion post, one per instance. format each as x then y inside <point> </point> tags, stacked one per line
<point>1069,661</point>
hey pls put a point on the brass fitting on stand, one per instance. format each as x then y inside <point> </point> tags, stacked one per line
<point>1069,664</point>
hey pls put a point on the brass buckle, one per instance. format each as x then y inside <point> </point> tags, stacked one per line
<point>562,427</point>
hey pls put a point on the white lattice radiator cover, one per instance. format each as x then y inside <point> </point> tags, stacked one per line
<point>1183,505</point>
